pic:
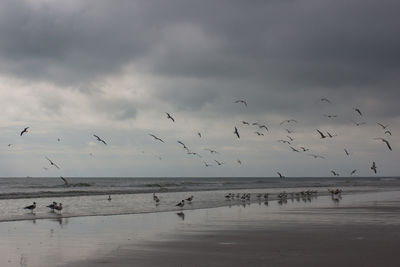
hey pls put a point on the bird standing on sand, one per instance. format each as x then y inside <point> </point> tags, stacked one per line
<point>99,139</point>
<point>31,207</point>
<point>24,131</point>
<point>189,199</point>
<point>109,198</point>
<point>181,204</point>
<point>52,205</point>
<point>59,207</point>
<point>373,167</point>
<point>52,163</point>
<point>236,132</point>
<point>170,117</point>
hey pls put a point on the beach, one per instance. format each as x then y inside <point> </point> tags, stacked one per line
<point>360,229</point>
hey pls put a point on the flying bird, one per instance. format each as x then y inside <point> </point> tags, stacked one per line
<point>304,149</point>
<point>289,131</point>
<point>263,126</point>
<point>184,146</point>
<point>290,138</point>
<point>25,130</point>
<point>241,101</point>
<point>65,180</point>
<point>353,171</point>
<point>359,123</point>
<point>280,175</point>
<point>373,167</point>
<point>347,152</point>
<point>388,132</point>
<point>358,111</point>
<point>245,123</point>
<point>218,162</point>
<point>259,134</point>
<point>211,151</point>
<point>156,138</point>
<point>287,121</point>
<point>206,164</point>
<point>284,142</point>
<point>169,117</point>
<point>294,149</point>
<point>385,141</point>
<point>315,156</point>
<point>236,132</point>
<point>99,139</point>
<point>52,163</point>
<point>383,126</point>
<point>331,135</point>
<point>239,161</point>
<point>321,133</point>
<point>335,173</point>
<point>326,100</point>
<point>330,116</point>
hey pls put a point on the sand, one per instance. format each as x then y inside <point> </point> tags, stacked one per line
<point>359,230</point>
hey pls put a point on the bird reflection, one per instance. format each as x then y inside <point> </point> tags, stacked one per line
<point>181,215</point>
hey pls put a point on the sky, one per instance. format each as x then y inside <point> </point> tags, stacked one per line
<point>72,69</point>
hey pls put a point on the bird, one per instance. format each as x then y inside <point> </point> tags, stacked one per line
<point>347,152</point>
<point>326,100</point>
<point>31,207</point>
<point>263,126</point>
<point>385,141</point>
<point>181,204</point>
<point>259,134</point>
<point>239,161</point>
<point>315,156</point>
<point>206,164</point>
<point>373,167</point>
<point>65,180</point>
<point>383,126</point>
<point>219,162</point>
<point>353,171</point>
<point>169,117</point>
<point>156,138</point>
<point>245,123</point>
<point>52,163</point>
<point>184,146</point>
<point>156,198</point>
<point>304,149</point>
<point>359,123</point>
<point>236,132</point>
<point>358,111</point>
<point>330,116</point>
<point>199,134</point>
<point>241,101</point>
<point>212,151</point>
<point>194,154</point>
<point>290,138</point>
<point>25,130</point>
<point>331,135</point>
<point>321,133</point>
<point>109,198</point>
<point>294,149</point>
<point>388,132</point>
<point>255,123</point>
<point>189,199</point>
<point>284,141</point>
<point>99,139</point>
<point>335,173</point>
<point>280,175</point>
<point>52,205</point>
<point>9,145</point>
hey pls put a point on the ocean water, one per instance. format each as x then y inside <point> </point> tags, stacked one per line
<point>89,196</point>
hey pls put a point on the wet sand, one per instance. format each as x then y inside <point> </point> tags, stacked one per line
<point>358,230</point>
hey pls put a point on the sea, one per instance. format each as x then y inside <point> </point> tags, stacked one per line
<point>90,196</point>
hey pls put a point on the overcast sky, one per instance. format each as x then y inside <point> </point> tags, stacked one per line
<point>71,69</point>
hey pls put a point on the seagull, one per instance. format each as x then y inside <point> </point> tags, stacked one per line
<point>218,162</point>
<point>236,132</point>
<point>65,180</point>
<point>211,151</point>
<point>59,207</point>
<point>155,137</point>
<point>304,149</point>
<point>263,126</point>
<point>189,199</point>
<point>373,167</point>
<point>331,135</point>
<point>384,140</point>
<point>280,175</point>
<point>347,152</point>
<point>293,149</point>
<point>24,131</point>
<point>358,111</point>
<point>290,138</point>
<point>353,171</point>
<point>321,133</point>
<point>184,146</point>
<point>258,133</point>
<point>326,100</point>
<point>169,117</point>
<point>99,139</point>
<point>315,156</point>
<point>206,164</point>
<point>255,123</point>
<point>181,204</point>
<point>388,132</point>
<point>52,163</point>
<point>330,116</point>
<point>194,154</point>
<point>199,134</point>
<point>31,207</point>
<point>383,126</point>
<point>241,101</point>
<point>289,131</point>
<point>52,205</point>
<point>239,161</point>
<point>335,173</point>
<point>284,142</point>
<point>245,123</point>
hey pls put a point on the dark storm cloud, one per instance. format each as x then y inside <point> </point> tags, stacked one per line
<point>282,51</point>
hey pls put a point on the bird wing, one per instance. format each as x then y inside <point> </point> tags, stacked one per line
<point>321,133</point>
<point>387,143</point>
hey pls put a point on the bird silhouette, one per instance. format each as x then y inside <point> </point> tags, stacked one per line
<point>156,138</point>
<point>326,100</point>
<point>353,171</point>
<point>284,142</point>
<point>25,130</point>
<point>241,101</point>
<point>288,121</point>
<point>280,175</point>
<point>207,164</point>
<point>259,134</point>
<point>359,123</point>
<point>65,180</point>
<point>373,167</point>
<point>245,123</point>
<point>335,173</point>
<point>358,111</point>
<point>236,132</point>
<point>263,126</point>
<point>239,161</point>
<point>383,126</point>
<point>330,116</point>
<point>199,134</point>
<point>304,149</point>
<point>321,133</point>
<point>347,152</point>
<point>169,117</point>
<point>184,146</point>
<point>52,163</point>
<point>99,139</point>
<point>219,162</point>
<point>385,141</point>
<point>294,149</point>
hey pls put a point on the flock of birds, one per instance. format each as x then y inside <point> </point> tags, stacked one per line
<point>262,129</point>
